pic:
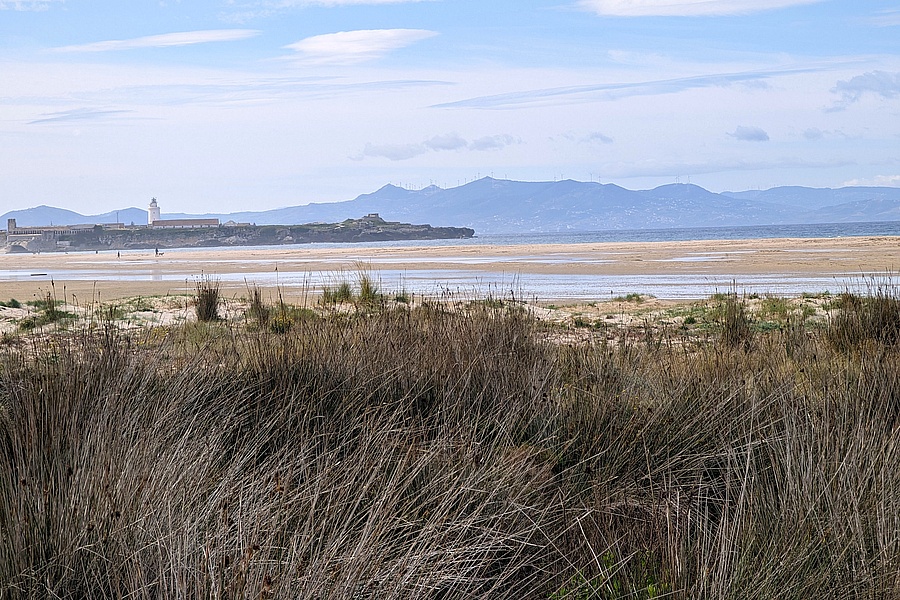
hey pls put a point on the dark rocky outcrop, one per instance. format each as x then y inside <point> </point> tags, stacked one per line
<point>368,229</point>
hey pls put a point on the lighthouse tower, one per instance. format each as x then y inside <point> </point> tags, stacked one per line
<point>153,212</point>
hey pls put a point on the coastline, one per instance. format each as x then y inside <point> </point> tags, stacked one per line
<point>136,273</point>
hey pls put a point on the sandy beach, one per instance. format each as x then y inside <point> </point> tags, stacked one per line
<point>89,275</point>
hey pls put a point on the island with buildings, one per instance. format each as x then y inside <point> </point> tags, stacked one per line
<point>161,233</point>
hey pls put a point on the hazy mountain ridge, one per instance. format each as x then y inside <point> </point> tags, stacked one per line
<point>501,206</point>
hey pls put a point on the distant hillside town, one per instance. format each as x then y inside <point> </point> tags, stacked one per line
<point>161,233</point>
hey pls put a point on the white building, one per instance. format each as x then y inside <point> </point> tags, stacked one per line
<point>153,213</point>
<point>154,220</point>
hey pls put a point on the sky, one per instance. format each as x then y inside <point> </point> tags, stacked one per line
<point>230,105</point>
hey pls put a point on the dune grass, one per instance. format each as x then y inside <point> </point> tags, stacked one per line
<point>421,452</point>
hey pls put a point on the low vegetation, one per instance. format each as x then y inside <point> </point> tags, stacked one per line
<point>428,450</point>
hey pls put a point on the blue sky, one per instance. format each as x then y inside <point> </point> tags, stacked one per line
<point>227,105</point>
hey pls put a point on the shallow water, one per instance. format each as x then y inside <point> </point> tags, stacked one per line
<point>462,278</point>
<point>480,284</point>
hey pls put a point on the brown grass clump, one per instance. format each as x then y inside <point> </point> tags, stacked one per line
<point>206,303</point>
<point>871,318</point>
<point>424,453</point>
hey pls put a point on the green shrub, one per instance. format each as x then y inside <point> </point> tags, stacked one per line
<point>340,294</point>
<point>49,313</point>
<point>632,297</point>
<point>368,290</point>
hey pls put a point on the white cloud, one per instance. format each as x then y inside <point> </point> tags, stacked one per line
<point>877,181</point>
<point>750,134</point>
<point>590,138</point>
<point>439,143</point>
<point>882,83</point>
<point>451,141</point>
<point>685,8</point>
<point>349,47</point>
<point>393,152</point>
<point>813,133</point>
<point>28,4</point>
<point>184,38</point>
<point>493,142</point>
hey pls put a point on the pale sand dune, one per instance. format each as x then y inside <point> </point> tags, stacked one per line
<point>87,274</point>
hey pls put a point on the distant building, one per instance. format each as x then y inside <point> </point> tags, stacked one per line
<point>184,223</point>
<point>51,231</point>
<point>155,221</point>
<point>44,237</point>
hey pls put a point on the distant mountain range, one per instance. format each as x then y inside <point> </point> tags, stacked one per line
<point>501,206</point>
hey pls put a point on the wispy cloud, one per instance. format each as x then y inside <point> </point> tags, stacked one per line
<point>395,152</point>
<point>750,134</point>
<point>77,114</point>
<point>450,141</point>
<point>685,8</point>
<point>589,138</point>
<point>439,143</point>
<point>595,138</point>
<point>246,11</point>
<point>877,181</point>
<point>886,18</point>
<point>28,4</point>
<point>206,88</point>
<point>614,91</point>
<point>815,134</point>
<point>493,142</point>
<point>276,4</point>
<point>184,38</point>
<point>881,83</point>
<point>350,47</point>
<point>661,168</point>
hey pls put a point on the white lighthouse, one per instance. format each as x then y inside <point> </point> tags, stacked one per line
<point>153,212</point>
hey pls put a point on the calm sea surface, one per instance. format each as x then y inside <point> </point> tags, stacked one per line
<point>457,279</point>
<point>825,230</point>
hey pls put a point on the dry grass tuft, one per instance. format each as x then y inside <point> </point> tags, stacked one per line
<point>207,300</point>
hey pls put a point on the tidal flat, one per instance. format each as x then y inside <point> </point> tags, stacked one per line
<point>549,272</point>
